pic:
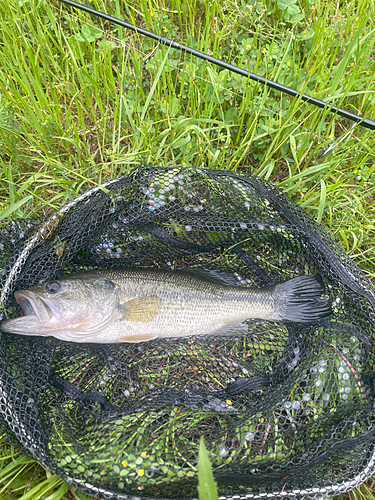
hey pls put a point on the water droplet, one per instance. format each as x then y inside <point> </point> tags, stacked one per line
<point>243,225</point>
<point>188,228</point>
<point>249,436</point>
<point>223,451</point>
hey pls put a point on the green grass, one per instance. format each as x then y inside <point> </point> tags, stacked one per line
<point>78,106</point>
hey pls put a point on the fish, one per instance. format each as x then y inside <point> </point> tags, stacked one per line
<point>142,304</point>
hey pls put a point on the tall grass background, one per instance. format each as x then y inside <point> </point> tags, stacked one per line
<point>80,103</point>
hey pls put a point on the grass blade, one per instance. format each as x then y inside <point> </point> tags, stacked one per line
<point>323,194</point>
<point>154,85</point>
<point>13,208</point>
<point>206,485</point>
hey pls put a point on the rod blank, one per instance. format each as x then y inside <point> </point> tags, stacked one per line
<point>364,122</point>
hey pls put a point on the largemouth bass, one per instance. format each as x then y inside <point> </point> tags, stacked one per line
<point>135,305</point>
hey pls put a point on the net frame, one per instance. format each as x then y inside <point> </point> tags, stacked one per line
<point>43,397</point>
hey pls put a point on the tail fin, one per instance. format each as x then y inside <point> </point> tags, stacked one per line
<point>301,299</point>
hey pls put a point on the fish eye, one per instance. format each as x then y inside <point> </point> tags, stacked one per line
<point>52,287</point>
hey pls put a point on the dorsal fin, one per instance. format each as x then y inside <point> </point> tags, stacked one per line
<point>212,276</point>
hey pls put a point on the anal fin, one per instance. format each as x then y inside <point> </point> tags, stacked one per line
<point>137,338</point>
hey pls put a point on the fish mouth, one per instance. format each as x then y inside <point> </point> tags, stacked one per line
<point>28,303</point>
<point>26,306</point>
<point>38,308</point>
<point>38,314</point>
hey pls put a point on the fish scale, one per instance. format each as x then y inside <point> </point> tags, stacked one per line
<point>141,304</point>
<point>189,305</point>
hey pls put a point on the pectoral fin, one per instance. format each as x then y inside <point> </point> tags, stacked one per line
<point>143,309</point>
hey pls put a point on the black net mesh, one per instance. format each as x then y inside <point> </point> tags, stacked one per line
<point>286,410</point>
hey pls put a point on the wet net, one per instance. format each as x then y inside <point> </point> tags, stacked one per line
<point>285,409</point>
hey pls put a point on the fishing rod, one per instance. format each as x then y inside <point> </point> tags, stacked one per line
<point>364,122</point>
